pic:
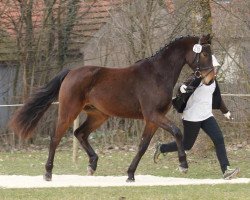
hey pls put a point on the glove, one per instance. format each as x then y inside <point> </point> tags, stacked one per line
<point>183,88</point>
<point>228,115</point>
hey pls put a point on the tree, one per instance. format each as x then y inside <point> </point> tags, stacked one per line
<point>65,27</point>
<point>201,20</point>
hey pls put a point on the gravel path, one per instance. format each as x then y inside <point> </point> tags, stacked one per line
<point>16,181</point>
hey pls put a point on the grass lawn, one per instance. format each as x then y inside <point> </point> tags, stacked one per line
<point>116,162</point>
<point>207,192</point>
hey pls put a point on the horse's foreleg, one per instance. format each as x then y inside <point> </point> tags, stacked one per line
<point>163,122</point>
<point>93,121</point>
<point>147,135</point>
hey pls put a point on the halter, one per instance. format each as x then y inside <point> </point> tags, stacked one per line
<point>197,48</point>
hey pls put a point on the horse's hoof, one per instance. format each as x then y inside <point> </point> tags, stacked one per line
<point>90,171</point>
<point>130,180</point>
<point>183,169</point>
<point>47,177</point>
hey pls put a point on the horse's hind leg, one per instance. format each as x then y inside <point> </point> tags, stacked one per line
<point>94,120</point>
<point>67,114</point>
<point>54,141</point>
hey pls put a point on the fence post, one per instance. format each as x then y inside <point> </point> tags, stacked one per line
<point>75,141</point>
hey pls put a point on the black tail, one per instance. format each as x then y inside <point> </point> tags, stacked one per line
<point>27,117</point>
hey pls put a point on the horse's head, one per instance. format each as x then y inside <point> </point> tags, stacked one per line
<point>199,58</point>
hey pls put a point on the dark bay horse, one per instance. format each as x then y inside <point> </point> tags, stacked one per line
<point>141,91</point>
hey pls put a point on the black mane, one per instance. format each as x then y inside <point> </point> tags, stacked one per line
<point>164,48</point>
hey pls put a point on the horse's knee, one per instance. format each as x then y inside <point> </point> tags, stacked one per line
<point>176,132</point>
<point>144,142</point>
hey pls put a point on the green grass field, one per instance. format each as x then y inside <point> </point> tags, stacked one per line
<point>205,192</point>
<point>116,162</point>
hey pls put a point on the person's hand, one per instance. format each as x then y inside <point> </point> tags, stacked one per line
<point>228,115</point>
<point>183,88</point>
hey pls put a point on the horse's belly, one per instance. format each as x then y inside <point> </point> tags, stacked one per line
<point>121,109</point>
<point>119,105</point>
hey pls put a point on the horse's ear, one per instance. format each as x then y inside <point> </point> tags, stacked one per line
<point>206,39</point>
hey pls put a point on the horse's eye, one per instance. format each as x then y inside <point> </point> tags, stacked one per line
<point>204,54</point>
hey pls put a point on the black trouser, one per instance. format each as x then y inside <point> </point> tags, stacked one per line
<point>191,131</point>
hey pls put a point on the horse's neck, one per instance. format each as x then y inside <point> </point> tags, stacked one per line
<point>170,65</point>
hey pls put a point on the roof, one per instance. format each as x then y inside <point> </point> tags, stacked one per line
<point>93,14</point>
<point>91,17</point>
